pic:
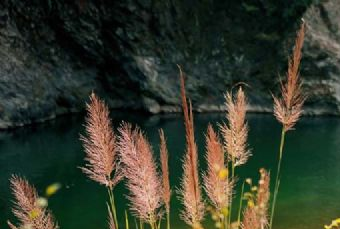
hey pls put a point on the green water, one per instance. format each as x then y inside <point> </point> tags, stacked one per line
<point>51,152</point>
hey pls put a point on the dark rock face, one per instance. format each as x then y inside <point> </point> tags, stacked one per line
<point>54,53</point>
<point>321,65</point>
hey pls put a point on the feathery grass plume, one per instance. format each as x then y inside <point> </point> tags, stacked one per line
<point>288,108</point>
<point>263,196</point>
<point>217,187</point>
<point>11,226</point>
<point>100,145</point>
<point>235,132</point>
<point>250,219</point>
<point>164,156</point>
<point>27,209</point>
<point>256,214</point>
<point>139,168</point>
<point>101,149</point>
<point>191,191</point>
<point>165,170</point>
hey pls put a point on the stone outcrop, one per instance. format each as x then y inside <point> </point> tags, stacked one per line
<point>54,53</point>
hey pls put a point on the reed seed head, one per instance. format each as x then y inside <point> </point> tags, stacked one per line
<point>27,208</point>
<point>235,131</point>
<point>164,156</point>
<point>255,215</point>
<point>217,185</point>
<point>263,195</point>
<point>100,145</point>
<point>250,219</point>
<point>288,108</point>
<point>140,170</point>
<point>190,192</point>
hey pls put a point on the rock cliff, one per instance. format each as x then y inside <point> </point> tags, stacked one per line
<point>53,53</point>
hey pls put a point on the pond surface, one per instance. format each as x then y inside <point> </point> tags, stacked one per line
<point>51,152</point>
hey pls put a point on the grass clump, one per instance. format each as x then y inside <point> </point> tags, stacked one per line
<point>127,154</point>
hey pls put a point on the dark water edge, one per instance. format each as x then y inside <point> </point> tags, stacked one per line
<point>51,152</point>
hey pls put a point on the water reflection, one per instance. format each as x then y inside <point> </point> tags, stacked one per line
<point>51,152</point>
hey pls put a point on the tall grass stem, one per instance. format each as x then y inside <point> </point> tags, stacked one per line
<point>168,219</point>
<point>126,221</point>
<point>231,202</point>
<point>277,179</point>
<point>240,206</point>
<point>113,207</point>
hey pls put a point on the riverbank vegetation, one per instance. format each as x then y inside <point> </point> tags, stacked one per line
<point>126,154</point>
